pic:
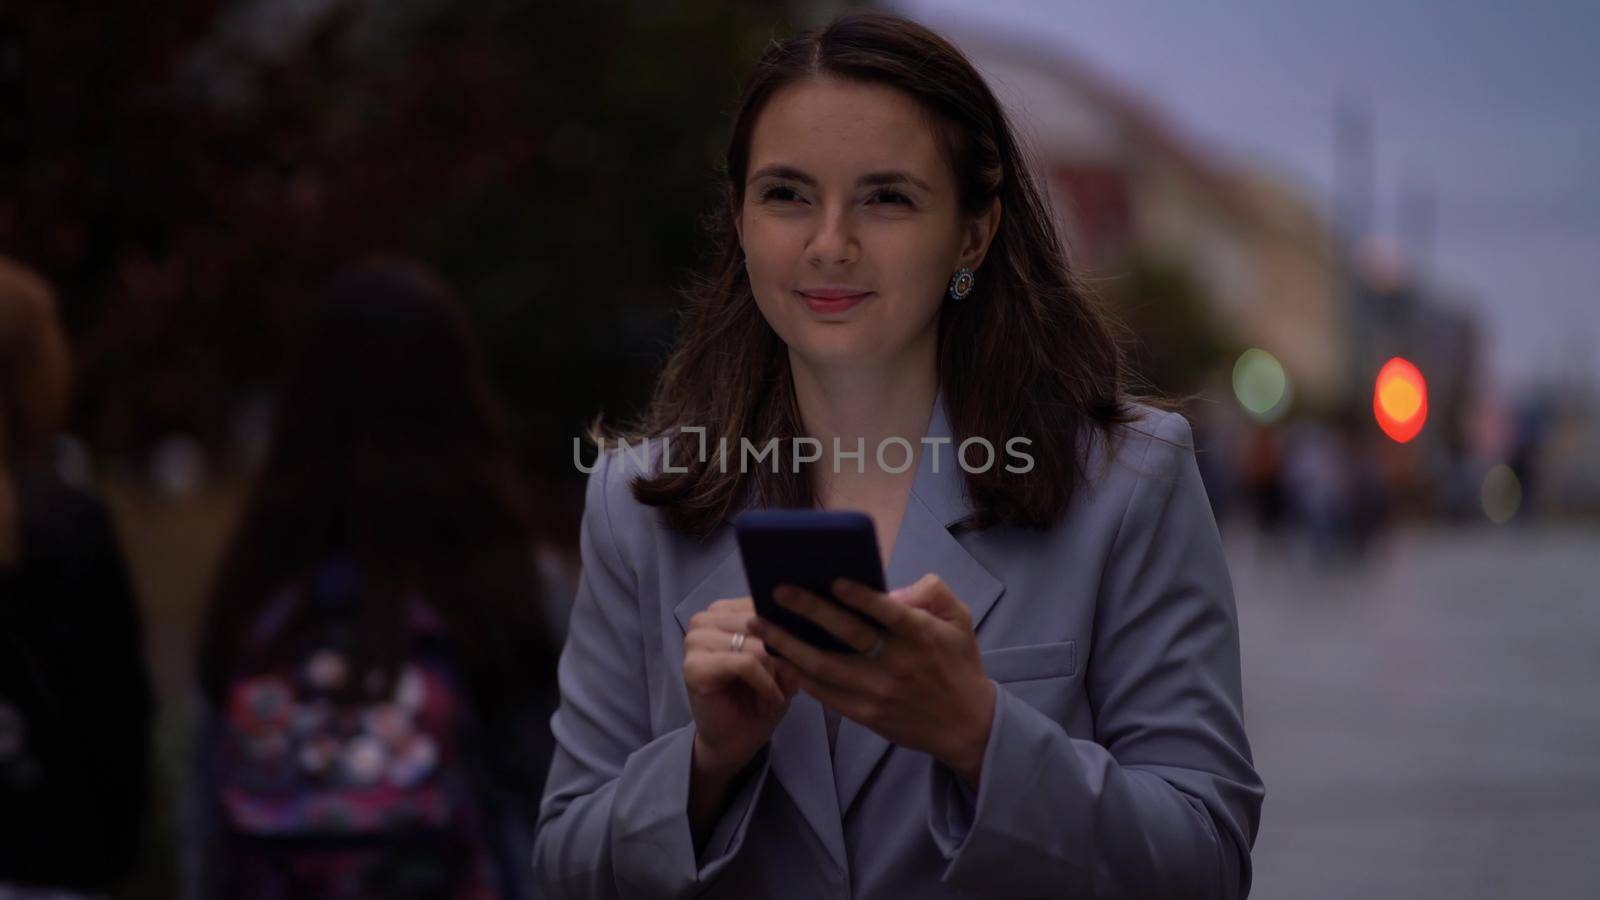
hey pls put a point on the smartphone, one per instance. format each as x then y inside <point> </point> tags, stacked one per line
<point>808,548</point>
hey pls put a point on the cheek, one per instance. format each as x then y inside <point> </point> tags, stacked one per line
<point>918,277</point>
<point>783,312</point>
<point>774,253</point>
<point>924,286</point>
<point>772,309</point>
<point>918,254</point>
<point>773,238</point>
<point>910,314</point>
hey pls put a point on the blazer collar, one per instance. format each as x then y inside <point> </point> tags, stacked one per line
<point>924,544</point>
<point>943,491</point>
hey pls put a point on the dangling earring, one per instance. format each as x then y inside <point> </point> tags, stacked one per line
<point>961,284</point>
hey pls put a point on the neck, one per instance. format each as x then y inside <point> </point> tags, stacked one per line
<point>869,403</point>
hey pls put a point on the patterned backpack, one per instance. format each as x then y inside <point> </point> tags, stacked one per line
<point>325,796</point>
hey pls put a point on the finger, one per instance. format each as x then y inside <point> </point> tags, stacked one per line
<point>876,604</point>
<point>715,640</point>
<point>787,676</point>
<point>722,668</point>
<point>850,704</point>
<point>931,595</point>
<point>735,605</point>
<point>836,668</point>
<point>729,615</point>
<point>726,616</point>
<point>839,622</point>
<point>757,674</point>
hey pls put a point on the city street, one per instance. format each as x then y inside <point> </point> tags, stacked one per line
<point>1428,723</point>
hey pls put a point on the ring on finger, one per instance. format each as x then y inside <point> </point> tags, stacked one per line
<point>876,649</point>
<point>737,643</point>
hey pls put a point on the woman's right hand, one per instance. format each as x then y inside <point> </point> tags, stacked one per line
<point>735,696</point>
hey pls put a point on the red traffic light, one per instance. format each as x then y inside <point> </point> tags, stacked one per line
<point>1400,400</point>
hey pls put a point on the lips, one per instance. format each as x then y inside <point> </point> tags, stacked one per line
<point>831,292</point>
<point>832,301</point>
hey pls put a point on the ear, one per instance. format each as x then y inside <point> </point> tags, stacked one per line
<point>977,233</point>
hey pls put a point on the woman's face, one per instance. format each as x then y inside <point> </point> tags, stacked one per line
<point>850,223</point>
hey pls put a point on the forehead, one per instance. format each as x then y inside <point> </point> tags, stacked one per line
<point>832,127</point>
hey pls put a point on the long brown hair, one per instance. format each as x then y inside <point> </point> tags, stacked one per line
<point>35,369</point>
<point>389,446</point>
<point>1027,354</point>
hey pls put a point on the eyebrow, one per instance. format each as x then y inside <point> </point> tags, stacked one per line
<point>871,179</point>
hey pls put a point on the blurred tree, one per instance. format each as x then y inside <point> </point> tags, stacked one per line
<point>1175,341</point>
<point>188,171</point>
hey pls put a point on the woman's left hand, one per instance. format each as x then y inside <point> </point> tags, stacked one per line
<point>922,687</point>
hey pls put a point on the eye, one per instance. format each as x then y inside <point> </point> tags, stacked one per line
<point>892,197</point>
<point>778,192</point>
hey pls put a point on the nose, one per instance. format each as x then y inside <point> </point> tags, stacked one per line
<point>834,242</point>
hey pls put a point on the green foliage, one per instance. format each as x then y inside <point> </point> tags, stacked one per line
<point>1178,340</point>
<point>189,175</point>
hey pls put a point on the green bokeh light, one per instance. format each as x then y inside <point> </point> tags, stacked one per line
<point>1261,385</point>
<point>1501,494</point>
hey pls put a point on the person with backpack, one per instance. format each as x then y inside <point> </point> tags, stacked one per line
<point>376,667</point>
<point>75,697</point>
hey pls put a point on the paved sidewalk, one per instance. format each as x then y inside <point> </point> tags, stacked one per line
<point>1428,725</point>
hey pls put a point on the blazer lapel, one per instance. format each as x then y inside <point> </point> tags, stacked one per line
<point>924,544</point>
<point>799,752</point>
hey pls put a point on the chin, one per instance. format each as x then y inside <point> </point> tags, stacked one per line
<point>837,343</point>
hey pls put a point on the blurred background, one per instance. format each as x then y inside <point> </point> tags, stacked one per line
<point>1359,241</point>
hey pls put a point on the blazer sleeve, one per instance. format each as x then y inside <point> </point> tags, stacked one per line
<point>1165,801</point>
<point>614,820</point>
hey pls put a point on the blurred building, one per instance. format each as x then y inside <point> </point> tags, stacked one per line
<point>1270,272</point>
<point>1124,182</point>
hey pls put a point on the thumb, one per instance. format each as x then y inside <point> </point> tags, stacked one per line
<point>788,680</point>
<point>931,595</point>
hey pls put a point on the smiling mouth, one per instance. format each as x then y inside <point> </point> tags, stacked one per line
<point>832,305</point>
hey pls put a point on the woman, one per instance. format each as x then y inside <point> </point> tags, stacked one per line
<point>1053,705</point>
<point>75,699</point>
<point>376,668</point>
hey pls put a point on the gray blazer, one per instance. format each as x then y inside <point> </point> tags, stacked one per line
<point>1117,764</point>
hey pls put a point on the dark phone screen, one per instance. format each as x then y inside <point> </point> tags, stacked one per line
<point>808,548</point>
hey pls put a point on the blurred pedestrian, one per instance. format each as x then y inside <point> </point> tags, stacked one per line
<point>75,699</point>
<point>1263,476</point>
<point>1317,487</point>
<point>376,668</point>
